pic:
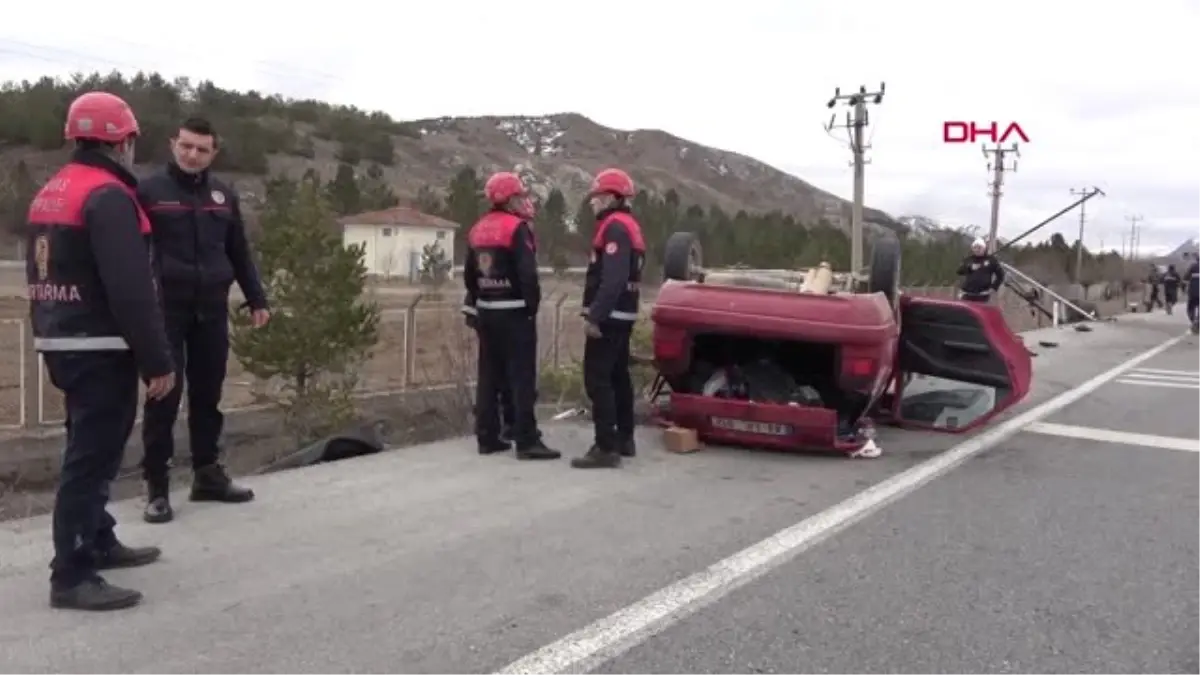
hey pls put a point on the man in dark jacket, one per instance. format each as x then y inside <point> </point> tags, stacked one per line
<point>93,305</point>
<point>1192,277</point>
<point>981,272</point>
<point>1170,285</point>
<point>202,249</point>
<point>1153,280</point>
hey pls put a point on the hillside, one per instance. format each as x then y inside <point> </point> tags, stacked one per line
<point>267,134</point>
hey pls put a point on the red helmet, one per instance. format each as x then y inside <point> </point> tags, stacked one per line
<point>505,185</point>
<point>613,182</point>
<point>100,116</point>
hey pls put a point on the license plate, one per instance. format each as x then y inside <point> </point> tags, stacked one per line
<point>764,428</point>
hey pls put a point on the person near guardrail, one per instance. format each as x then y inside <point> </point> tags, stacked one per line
<point>1170,285</point>
<point>504,397</point>
<point>981,272</point>
<point>1192,276</point>
<point>611,294</point>
<point>501,279</point>
<point>202,249</point>
<point>94,307</point>
<point>1153,281</point>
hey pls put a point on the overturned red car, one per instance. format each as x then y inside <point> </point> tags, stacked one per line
<point>784,360</point>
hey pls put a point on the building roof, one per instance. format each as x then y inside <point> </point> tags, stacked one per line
<point>400,216</point>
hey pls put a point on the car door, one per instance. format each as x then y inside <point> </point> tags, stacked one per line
<point>958,365</point>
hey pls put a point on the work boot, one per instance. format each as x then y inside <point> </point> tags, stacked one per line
<point>93,595</point>
<point>597,458</point>
<point>493,447</point>
<point>121,556</point>
<point>158,502</point>
<point>211,484</point>
<point>537,450</point>
<point>628,448</point>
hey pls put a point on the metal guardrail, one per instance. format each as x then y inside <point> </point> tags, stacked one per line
<point>401,324</point>
<point>1059,300</point>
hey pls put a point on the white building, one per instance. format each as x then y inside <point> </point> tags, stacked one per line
<point>393,239</point>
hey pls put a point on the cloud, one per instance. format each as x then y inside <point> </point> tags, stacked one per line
<point>1105,91</point>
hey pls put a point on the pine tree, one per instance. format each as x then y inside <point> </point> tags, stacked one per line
<point>343,193</point>
<point>375,192</point>
<point>464,203</point>
<point>551,228</point>
<point>17,189</point>
<point>321,330</point>
<point>435,267</point>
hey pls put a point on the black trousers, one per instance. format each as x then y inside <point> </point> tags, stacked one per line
<point>608,383</point>
<point>101,393</point>
<point>507,361</point>
<point>200,343</point>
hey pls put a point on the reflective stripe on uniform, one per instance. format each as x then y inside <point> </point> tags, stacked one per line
<point>468,309</point>
<point>617,314</point>
<point>80,344</point>
<point>500,304</point>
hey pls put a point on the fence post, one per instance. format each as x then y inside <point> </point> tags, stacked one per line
<point>30,380</point>
<point>558,330</point>
<point>410,342</point>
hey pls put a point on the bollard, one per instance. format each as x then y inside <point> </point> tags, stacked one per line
<point>557,332</point>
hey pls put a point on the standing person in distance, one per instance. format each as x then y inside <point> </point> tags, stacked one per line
<point>1192,277</point>
<point>94,307</point>
<point>610,297</point>
<point>504,398</point>
<point>201,243</point>
<point>981,272</point>
<point>1170,285</point>
<point>501,279</point>
<point>1153,280</point>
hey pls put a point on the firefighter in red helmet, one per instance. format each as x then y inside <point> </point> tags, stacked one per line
<point>94,307</point>
<point>501,279</point>
<point>610,298</point>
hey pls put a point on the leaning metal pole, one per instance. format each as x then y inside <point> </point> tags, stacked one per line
<point>1047,290</point>
<point>1035,228</point>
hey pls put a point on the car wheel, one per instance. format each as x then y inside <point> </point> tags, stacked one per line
<point>885,269</point>
<point>682,257</point>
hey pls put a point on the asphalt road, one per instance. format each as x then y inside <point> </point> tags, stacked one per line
<point>1044,544</point>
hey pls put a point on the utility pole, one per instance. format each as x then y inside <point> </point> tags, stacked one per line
<point>1131,249</point>
<point>1135,235</point>
<point>1082,220</point>
<point>856,122</point>
<point>998,167</point>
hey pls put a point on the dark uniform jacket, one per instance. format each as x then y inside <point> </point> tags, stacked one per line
<point>612,285</point>
<point>90,271</point>
<point>200,239</point>
<point>980,273</point>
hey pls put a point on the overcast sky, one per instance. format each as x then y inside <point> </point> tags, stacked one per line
<point>1107,92</point>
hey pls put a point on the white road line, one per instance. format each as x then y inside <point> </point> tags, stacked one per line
<point>592,645</point>
<point>1112,436</point>
<point>1162,376</point>
<point>1159,383</point>
<point>1166,371</point>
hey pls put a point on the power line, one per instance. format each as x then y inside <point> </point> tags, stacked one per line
<point>998,167</point>
<point>857,119</point>
<point>90,61</point>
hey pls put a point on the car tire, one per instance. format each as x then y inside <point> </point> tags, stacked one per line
<point>885,269</point>
<point>683,258</point>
